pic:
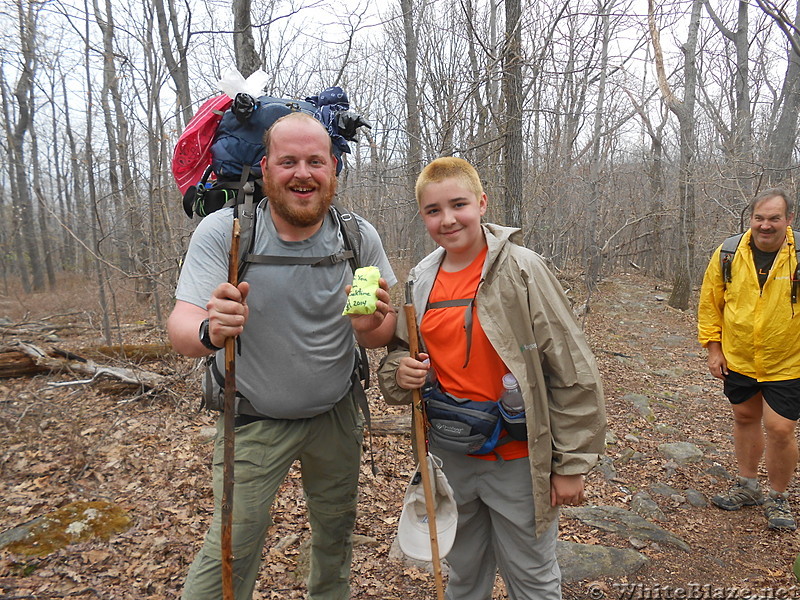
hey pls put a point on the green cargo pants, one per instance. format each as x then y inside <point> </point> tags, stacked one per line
<point>328,447</point>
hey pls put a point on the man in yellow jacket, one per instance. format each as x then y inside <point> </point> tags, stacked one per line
<point>749,327</point>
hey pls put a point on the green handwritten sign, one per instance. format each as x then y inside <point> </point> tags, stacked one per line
<point>362,298</point>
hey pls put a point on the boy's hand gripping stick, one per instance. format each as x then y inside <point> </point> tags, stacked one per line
<point>422,442</point>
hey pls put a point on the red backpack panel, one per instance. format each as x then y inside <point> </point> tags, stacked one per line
<point>193,151</point>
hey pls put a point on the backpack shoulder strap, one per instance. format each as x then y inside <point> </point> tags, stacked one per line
<point>244,208</point>
<point>726,254</point>
<point>351,233</point>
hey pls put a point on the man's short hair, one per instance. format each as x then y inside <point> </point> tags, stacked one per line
<point>449,167</point>
<point>295,115</point>
<point>775,192</point>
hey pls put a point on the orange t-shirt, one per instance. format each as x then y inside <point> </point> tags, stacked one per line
<point>444,332</point>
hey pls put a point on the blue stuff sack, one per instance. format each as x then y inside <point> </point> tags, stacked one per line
<point>461,425</point>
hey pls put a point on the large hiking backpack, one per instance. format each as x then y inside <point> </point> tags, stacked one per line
<point>221,149</point>
<point>212,171</point>
<point>728,252</point>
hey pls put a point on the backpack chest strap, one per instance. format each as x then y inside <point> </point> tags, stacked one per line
<point>450,303</point>
<point>469,303</point>
<point>314,261</point>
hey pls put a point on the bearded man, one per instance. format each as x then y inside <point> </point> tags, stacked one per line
<point>294,372</point>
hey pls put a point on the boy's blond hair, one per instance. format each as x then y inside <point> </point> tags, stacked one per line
<point>449,167</point>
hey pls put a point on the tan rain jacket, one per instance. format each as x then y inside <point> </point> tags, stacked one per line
<point>528,320</point>
<point>760,337</point>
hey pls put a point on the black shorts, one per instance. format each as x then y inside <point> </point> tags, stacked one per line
<point>782,396</point>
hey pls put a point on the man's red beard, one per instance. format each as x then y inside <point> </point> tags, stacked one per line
<point>300,216</point>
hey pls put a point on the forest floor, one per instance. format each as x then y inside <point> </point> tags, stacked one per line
<point>150,455</point>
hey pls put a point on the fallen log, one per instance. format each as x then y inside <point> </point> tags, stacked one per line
<point>136,352</point>
<point>390,425</point>
<point>22,359</point>
<point>14,363</point>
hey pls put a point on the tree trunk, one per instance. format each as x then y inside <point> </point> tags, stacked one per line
<point>63,245</point>
<point>480,132</point>
<point>414,158</point>
<point>684,111</point>
<point>42,208</point>
<point>79,209</point>
<point>784,137</point>
<point>655,178</point>
<point>30,263</point>
<point>178,67</point>
<point>740,142</point>
<point>513,150</point>
<point>15,231</point>
<point>244,48</point>
<point>133,246</point>
<point>161,243</point>
<point>102,278</point>
<point>592,250</point>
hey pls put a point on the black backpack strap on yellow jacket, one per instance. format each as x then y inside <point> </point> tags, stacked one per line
<point>728,252</point>
<point>726,255</point>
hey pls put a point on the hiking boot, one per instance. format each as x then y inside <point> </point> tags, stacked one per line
<point>738,496</point>
<point>778,512</point>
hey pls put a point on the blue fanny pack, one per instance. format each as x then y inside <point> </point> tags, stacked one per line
<point>462,425</point>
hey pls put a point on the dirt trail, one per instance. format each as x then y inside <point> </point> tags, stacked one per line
<point>151,456</point>
<point>645,347</point>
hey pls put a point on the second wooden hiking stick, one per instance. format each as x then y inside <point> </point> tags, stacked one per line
<point>421,439</point>
<point>229,408</point>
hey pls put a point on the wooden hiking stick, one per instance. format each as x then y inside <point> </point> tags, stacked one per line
<point>229,408</point>
<point>422,442</point>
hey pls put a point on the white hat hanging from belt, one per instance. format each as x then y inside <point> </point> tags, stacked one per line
<point>413,534</point>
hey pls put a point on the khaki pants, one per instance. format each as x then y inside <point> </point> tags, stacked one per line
<point>497,532</point>
<point>328,447</point>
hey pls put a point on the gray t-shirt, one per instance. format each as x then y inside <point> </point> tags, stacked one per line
<point>297,350</point>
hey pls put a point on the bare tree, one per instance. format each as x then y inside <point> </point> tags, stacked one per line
<point>593,256</point>
<point>528,93</point>
<point>41,213</point>
<point>655,172</point>
<point>513,150</point>
<point>176,62</point>
<point>134,249</point>
<point>78,208</point>
<point>482,130</point>
<point>684,112</point>
<point>739,134</point>
<point>414,159</point>
<point>26,245</point>
<point>782,138</point>
<point>244,48</point>
<point>96,230</point>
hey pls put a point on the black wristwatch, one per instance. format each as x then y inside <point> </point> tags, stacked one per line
<point>205,337</point>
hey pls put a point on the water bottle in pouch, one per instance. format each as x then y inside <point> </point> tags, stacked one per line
<point>512,407</point>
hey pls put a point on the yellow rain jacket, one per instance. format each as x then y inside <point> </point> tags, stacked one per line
<point>758,329</point>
